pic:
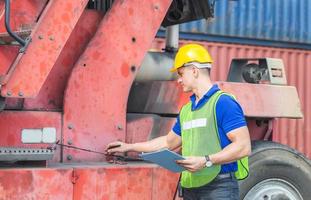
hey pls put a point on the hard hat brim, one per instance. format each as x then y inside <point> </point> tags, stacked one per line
<point>173,69</point>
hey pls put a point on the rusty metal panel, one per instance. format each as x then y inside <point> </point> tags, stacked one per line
<point>44,184</point>
<point>51,94</point>
<point>29,71</point>
<point>164,184</point>
<point>130,181</point>
<point>254,101</point>
<point>13,122</point>
<point>292,132</point>
<point>143,127</point>
<point>113,182</point>
<point>97,91</point>
<point>89,181</point>
<point>165,97</point>
<point>160,97</point>
<point>139,127</point>
<point>7,55</point>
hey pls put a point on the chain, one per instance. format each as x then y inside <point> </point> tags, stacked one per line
<point>109,156</point>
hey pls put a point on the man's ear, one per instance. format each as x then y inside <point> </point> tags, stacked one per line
<point>195,72</point>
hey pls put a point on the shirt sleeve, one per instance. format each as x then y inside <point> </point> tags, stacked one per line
<point>229,114</point>
<point>176,128</point>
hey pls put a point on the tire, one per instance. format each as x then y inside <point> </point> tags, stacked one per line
<point>277,172</point>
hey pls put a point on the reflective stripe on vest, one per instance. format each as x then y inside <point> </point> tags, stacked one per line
<point>197,123</point>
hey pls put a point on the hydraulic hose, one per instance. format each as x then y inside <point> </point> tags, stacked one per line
<point>7,24</point>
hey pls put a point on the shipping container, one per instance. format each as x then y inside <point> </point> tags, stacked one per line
<point>281,23</point>
<point>295,133</point>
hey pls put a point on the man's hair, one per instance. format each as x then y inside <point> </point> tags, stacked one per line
<point>206,71</point>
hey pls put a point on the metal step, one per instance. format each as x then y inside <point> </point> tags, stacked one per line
<point>5,38</point>
<point>25,154</point>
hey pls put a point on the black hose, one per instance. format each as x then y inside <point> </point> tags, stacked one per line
<point>178,190</point>
<point>7,24</point>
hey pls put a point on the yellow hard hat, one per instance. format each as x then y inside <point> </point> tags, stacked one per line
<point>191,53</point>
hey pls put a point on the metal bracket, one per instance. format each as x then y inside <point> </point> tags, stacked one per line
<point>27,42</point>
<point>2,103</point>
<point>257,70</point>
<point>182,11</point>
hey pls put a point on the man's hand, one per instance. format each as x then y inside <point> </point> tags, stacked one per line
<point>192,164</point>
<point>117,147</point>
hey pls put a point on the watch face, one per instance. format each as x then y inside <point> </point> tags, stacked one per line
<point>208,163</point>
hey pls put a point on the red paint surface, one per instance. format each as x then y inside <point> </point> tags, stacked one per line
<point>7,54</point>
<point>23,14</point>
<point>51,94</point>
<point>13,122</point>
<point>48,39</point>
<point>131,181</point>
<point>96,96</point>
<point>88,181</point>
<point>43,184</point>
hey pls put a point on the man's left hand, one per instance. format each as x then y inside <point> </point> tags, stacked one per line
<point>193,163</point>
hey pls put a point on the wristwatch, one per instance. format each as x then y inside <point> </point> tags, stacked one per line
<point>208,161</point>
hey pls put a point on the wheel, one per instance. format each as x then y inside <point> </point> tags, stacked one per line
<point>277,172</point>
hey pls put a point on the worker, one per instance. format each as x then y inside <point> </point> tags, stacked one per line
<point>210,128</point>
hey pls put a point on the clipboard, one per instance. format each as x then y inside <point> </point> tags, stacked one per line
<point>164,158</point>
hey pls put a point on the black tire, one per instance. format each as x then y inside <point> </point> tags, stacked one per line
<point>273,161</point>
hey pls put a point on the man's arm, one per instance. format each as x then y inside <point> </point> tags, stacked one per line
<point>170,141</point>
<point>239,148</point>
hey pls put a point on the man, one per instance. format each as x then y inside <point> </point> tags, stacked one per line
<point>211,129</point>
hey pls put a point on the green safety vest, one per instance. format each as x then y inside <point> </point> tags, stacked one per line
<point>199,138</point>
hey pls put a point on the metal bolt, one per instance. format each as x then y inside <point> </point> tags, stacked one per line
<point>156,7</point>
<point>9,93</point>
<point>69,142</point>
<point>119,126</point>
<point>40,37</point>
<point>70,126</point>
<point>69,157</point>
<point>20,94</point>
<point>133,68</point>
<point>133,39</point>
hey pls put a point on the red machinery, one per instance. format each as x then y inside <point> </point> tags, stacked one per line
<point>71,79</point>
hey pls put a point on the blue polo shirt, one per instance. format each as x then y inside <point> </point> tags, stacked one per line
<point>230,116</point>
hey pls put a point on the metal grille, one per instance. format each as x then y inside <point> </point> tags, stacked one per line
<point>102,5</point>
<point>25,154</point>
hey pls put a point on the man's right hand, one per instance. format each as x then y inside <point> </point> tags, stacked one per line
<point>117,147</point>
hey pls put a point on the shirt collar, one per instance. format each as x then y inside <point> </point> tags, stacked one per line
<point>206,96</point>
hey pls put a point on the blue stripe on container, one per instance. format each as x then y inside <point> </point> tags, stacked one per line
<point>238,40</point>
<point>273,20</point>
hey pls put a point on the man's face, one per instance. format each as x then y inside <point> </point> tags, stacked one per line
<point>186,78</point>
